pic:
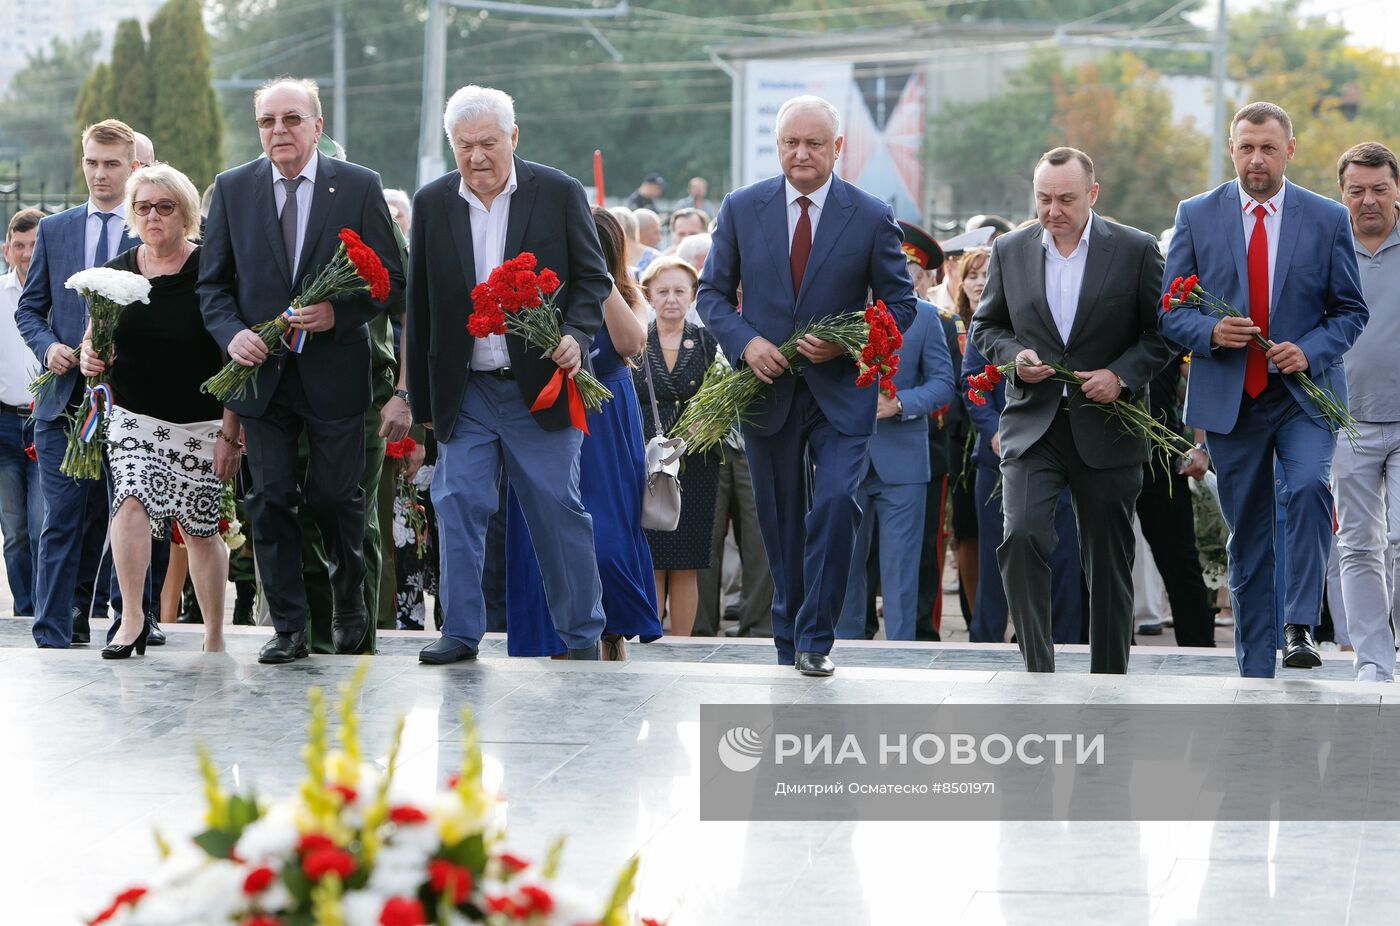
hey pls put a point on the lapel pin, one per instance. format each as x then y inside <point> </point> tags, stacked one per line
<point>330,189</point>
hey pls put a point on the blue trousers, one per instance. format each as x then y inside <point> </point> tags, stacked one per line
<point>21,509</point>
<point>75,510</point>
<point>897,511</point>
<point>1274,428</point>
<point>494,430</point>
<point>805,478</point>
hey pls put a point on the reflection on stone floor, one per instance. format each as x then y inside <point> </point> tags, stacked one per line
<point>97,754</point>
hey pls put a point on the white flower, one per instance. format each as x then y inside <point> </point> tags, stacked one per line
<point>423,479</point>
<point>362,908</point>
<point>116,286</point>
<point>272,836</point>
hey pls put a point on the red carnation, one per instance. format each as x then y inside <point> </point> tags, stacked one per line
<point>125,898</point>
<point>976,398</point>
<point>548,281</point>
<point>367,264</point>
<point>320,862</point>
<point>405,815</point>
<point>513,863</point>
<point>258,879</point>
<point>979,382</point>
<point>347,794</point>
<point>1176,285</point>
<point>313,841</point>
<point>29,452</point>
<point>1166,302</point>
<point>535,900</point>
<point>1189,285</point>
<point>442,874</point>
<point>260,921</point>
<point>992,373</point>
<point>402,911</point>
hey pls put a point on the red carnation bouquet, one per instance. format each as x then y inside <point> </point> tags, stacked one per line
<point>879,358</point>
<point>1135,418</point>
<point>355,268</point>
<point>406,495</point>
<point>517,300</point>
<point>1189,291</point>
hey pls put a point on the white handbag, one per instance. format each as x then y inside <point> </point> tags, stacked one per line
<point>661,502</point>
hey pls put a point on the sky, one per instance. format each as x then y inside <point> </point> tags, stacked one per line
<point>1371,22</point>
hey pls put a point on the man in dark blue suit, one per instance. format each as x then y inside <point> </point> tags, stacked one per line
<point>52,320</point>
<point>892,494</point>
<point>1283,256</point>
<point>273,224</point>
<point>805,245</point>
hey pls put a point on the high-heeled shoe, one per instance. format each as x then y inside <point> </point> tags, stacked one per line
<point>123,651</point>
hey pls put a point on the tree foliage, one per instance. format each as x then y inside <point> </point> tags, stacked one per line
<point>36,114</point>
<point>132,90</point>
<point>92,106</point>
<point>185,123</point>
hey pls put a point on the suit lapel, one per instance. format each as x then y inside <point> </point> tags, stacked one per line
<point>1102,244</point>
<point>267,208</point>
<point>836,214</point>
<point>322,198</point>
<point>459,218</point>
<point>521,202</point>
<point>1230,221</point>
<point>1033,258</point>
<point>1287,242</point>
<point>772,218</point>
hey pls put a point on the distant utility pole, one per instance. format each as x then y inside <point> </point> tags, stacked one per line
<point>338,117</point>
<point>1215,167</point>
<point>430,162</point>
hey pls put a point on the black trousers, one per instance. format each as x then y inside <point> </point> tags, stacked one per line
<point>1103,509</point>
<point>329,486</point>
<point>1169,527</point>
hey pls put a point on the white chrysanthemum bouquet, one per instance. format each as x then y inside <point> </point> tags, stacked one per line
<point>107,292</point>
<point>348,850</point>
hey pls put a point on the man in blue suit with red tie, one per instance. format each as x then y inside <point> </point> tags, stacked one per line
<point>1284,257</point>
<point>804,246</point>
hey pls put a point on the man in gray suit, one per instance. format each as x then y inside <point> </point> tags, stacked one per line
<point>1080,292</point>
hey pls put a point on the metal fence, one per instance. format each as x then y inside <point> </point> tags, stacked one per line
<point>17,193</point>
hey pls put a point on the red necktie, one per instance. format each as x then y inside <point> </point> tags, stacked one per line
<point>801,246</point>
<point>1256,368</point>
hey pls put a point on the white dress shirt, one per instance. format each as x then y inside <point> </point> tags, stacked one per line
<point>304,191</point>
<point>1064,277</point>
<point>17,364</point>
<point>489,250</point>
<point>1273,224</point>
<point>115,228</point>
<point>814,211</point>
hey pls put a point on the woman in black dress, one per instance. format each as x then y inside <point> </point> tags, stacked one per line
<point>169,446</point>
<point>678,354</point>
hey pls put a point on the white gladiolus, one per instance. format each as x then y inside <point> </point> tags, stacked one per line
<point>273,836</point>
<point>116,286</point>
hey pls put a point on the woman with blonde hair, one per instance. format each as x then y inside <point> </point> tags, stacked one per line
<point>169,446</point>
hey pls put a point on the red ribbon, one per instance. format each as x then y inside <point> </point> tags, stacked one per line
<point>550,392</point>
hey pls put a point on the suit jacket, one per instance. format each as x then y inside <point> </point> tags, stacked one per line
<point>1316,300</point>
<point>924,383</point>
<point>856,251</point>
<point>986,419</point>
<point>244,278</point>
<point>50,314</point>
<point>1115,328</point>
<point>549,217</point>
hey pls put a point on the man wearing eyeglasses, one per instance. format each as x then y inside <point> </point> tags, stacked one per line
<point>273,224</point>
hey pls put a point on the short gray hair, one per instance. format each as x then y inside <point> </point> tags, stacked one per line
<point>308,87</point>
<point>808,101</point>
<point>473,102</point>
<point>693,246</point>
<point>627,220</point>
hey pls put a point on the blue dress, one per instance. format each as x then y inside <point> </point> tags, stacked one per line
<point>612,478</point>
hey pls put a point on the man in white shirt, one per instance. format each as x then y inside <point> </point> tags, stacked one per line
<point>1078,292</point>
<point>21,504</point>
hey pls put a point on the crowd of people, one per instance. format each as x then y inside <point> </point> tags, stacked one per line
<point>508,510</point>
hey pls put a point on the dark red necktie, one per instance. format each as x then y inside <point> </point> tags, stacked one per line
<point>801,246</point>
<point>1256,368</point>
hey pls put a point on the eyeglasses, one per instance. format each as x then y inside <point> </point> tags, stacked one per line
<point>290,121</point>
<point>164,207</point>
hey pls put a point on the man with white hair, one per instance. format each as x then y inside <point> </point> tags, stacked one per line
<point>649,234</point>
<point>481,396</point>
<point>805,246</point>
<point>145,150</point>
<point>273,224</point>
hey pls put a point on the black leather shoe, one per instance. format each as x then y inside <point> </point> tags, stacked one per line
<point>283,648</point>
<point>1153,629</point>
<point>348,629</point>
<point>119,651</point>
<point>444,651</point>
<point>155,636</point>
<point>1299,651</point>
<point>82,632</point>
<point>818,664</point>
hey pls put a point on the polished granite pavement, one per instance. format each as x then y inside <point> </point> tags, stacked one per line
<point>98,753</point>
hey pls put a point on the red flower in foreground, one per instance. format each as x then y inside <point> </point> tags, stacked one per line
<point>530,900</point>
<point>976,398</point>
<point>313,841</point>
<point>513,863</point>
<point>260,921</point>
<point>402,911</point>
<point>400,449</point>
<point>404,815</point>
<point>29,452</point>
<point>367,264</point>
<point>443,875</point>
<point>320,862</point>
<point>1166,302</point>
<point>258,880</point>
<point>347,794</point>
<point>125,898</point>
<point>992,373</point>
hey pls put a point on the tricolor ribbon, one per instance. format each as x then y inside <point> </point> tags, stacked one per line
<point>293,338</point>
<point>95,395</point>
<point>550,393</point>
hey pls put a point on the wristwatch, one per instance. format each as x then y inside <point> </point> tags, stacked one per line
<point>898,405</point>
<point>401,394</point>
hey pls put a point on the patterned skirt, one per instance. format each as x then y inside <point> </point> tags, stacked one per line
<point>168,467</point>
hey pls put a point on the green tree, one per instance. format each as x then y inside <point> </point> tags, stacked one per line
<point>37,112</point>
<point>93,105</point>
<point>132,91</point>
<point>185,125</point>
